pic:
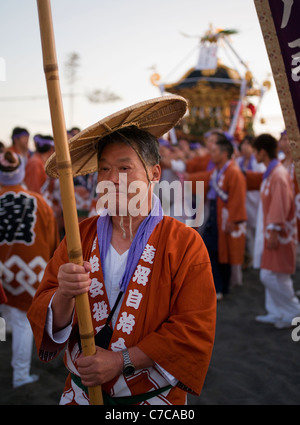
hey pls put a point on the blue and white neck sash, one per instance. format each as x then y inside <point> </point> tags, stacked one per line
<point>270,168</point>
<point>250,165</point>
<point>104,232</point>
<point>214,188</point>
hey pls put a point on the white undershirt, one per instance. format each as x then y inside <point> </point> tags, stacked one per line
<point>114,269</point>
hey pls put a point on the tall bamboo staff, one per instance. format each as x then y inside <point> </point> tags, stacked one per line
<point>66,179</point>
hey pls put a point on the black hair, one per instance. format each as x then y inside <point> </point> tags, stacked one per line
<point>224,144</point>
<point>74,130</point>
<point>145,144</point>
<point>43,148</point>
<point>10,158</point>
<point>268,143</point>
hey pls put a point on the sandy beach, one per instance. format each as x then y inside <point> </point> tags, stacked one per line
<point>252,363</point>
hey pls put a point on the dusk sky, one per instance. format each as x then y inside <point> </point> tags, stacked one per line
<point>120,43</point>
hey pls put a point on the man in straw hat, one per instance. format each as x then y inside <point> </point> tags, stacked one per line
<point>28,238</point>
<point>148,276</point>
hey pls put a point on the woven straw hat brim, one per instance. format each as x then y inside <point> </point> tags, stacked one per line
<point>157,116</point>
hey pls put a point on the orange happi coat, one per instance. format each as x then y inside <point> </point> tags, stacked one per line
<point>279,209</point>
<point>253,179</point>
<point>199,163</point>
<point>168,311</point>
<point>35,174</point>
<point>28,238</point>
<point>231,246</point>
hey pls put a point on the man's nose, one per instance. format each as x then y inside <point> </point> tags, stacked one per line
<point>113,176</point>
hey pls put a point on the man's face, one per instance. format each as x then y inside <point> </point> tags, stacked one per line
<point>120,165</point>
<point>246,148</point>
<point>22,142</point>
<point>184,145</point>
<point>211,141</point>
<point>260,155</point>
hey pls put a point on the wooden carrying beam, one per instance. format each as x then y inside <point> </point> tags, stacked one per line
<point>66,180</point>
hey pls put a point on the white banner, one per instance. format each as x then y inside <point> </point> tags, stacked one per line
<point>208,56</point>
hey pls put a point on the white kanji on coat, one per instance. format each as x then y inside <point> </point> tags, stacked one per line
<point>96,288</point>
<point>141,275</point>
<point>126,323</point>
<point>134,298</point>
<point>100,311</point>
<point>119,345</point>
<point>94,261</point>
<point>148,254</point>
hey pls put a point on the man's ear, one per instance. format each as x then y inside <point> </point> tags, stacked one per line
<point>156,173</point>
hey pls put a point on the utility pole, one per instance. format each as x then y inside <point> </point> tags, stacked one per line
<point>71,69</point>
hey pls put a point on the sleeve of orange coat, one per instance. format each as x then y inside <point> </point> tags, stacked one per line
<point>199,163</point>
<point>51,230</point>
<point>35,177</point>
<point>48,224</point>
<point>183,344</point>
<point>37,312</point>
<point>199,176</point>
<point>55,238</point>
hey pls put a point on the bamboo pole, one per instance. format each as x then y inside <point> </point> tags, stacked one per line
<point>66,179</point>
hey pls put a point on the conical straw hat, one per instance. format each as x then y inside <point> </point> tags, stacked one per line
<point>157,116</point>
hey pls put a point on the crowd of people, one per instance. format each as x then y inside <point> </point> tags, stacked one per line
<point>251,219</point>
<point>251,212</point>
